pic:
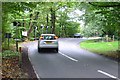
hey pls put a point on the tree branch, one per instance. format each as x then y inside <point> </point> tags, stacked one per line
<point>113,5</point>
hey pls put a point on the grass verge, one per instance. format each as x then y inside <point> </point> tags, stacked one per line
<point>108,49</point>
<point>9,53</point>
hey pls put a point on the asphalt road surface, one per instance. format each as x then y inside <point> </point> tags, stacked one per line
<point>71,62</point>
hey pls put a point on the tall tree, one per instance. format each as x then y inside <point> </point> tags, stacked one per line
<point>104,15</point>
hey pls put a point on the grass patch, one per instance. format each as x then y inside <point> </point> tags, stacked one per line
<point>103,48</point>
<point>9,53</point>
<point>100,46</point>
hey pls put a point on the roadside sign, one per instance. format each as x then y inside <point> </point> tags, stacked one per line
<point>8,35</point>
<point>24,33</point>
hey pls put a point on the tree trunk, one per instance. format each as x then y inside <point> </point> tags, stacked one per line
<point>31,23</point>
<point>60,29</point>
<point>47,20</point>
<point>53,20</point>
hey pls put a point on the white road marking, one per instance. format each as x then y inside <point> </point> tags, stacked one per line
<point>107,74</point>
<point>33,66</point>
<point>68,57</point>
<point>36,73</point>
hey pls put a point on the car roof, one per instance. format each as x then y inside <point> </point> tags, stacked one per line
<point>47,34</point>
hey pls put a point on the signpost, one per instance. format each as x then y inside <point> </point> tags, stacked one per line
<point>17,40</point>
<point>24,33</point>
<point>8,35</point>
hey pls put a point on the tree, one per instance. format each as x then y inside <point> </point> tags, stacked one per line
<point>11,11</point>
<point>104,15</point>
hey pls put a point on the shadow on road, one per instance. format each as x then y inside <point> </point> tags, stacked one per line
<point>47,51</point>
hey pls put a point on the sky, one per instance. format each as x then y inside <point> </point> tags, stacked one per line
<point>75,15</point>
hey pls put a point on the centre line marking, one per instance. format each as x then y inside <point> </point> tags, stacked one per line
<point>68,57</point>
<point>107,74</point>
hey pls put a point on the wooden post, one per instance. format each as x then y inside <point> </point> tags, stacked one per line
<point>17,46</point>
<point>20,56</point>
<point>20,49</point>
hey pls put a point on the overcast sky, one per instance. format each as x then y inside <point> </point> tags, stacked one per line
<point>75,16</point>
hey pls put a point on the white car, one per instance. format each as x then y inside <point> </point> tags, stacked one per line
<point>48,41</point>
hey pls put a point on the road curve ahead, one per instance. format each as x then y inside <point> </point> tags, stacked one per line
<point>71,62</point>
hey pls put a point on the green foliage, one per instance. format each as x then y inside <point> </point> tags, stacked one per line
<point>0,54</point>
<point>102,17</point>
<point>10,12</point>
<point>61,17</point>
<point>15,11</point>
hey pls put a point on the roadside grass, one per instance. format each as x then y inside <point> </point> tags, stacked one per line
<point>108,49</point>
<point>9,53</point>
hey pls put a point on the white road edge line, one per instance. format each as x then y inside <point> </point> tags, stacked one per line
<point>68,57</point>
<point>34,70</point>
<point>107,74</point>
<point>33,67</point>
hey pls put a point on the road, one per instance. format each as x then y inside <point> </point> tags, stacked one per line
<point>71,62</point>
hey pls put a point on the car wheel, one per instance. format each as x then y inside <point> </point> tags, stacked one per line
<point>39,49</point>
<point>56,50</point>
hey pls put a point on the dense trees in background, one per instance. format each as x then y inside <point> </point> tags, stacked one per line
<point>99,18</point>
<point>32,15</point>
<point>13,12</point>
<point>102,18</point>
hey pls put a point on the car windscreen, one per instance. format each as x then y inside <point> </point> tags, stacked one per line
<point>48,37</point>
